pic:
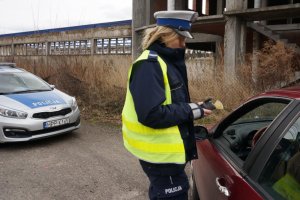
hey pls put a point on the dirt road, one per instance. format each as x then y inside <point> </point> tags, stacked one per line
<point>88,164</point>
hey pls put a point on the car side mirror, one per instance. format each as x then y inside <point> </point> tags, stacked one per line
<point>52,86</point>
<point>201,133</point>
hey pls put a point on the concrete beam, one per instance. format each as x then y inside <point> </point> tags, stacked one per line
<point>203,37</point>
<point>267,13</point>
<point>209,19</point>
<point>284,27</point>
<point>199,21</point>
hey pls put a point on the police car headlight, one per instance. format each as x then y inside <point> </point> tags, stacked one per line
<point>74,105</point>
<point>6,112</point>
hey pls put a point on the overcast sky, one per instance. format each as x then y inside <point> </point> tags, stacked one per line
<point>28,15</point>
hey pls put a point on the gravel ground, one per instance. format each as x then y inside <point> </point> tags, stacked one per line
<point>90,163</point>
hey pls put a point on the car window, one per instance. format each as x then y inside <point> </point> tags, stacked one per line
<point>281,175</point>
<point>264,112</point>
<point>20,81</point>
<point>240,133</point>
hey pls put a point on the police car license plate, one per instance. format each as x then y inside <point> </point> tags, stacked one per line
<point>57,122</point>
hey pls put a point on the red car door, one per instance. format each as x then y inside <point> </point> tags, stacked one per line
<point>220,180</point>
<point>226,159</point>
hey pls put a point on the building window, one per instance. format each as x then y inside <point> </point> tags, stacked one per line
<point>88,47</point>
<point>120,46</point>
<point>6,50</point>
<point>113,46</point>
<point>127,45</point>
<point>72,47</point>
<point>67,48</point>
<point>99,46</point>
<point>105,46</point>
<point>79,47</point>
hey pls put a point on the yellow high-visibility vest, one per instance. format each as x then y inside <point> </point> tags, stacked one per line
<point>288,187</point>
<point>163,145</point>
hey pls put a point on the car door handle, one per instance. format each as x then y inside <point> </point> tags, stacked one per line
<point>221,186</point>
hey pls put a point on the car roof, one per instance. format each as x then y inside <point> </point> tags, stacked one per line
<point>9,68</point>
<point>289,92</point>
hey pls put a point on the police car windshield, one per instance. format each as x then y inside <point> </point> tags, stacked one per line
<point>20,82</point>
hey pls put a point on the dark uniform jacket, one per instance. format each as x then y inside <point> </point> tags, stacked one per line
<point>147,89</point>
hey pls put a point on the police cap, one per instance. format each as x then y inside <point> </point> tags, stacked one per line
<point>179,20</point>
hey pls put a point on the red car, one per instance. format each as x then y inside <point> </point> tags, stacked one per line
<point>254,153</point>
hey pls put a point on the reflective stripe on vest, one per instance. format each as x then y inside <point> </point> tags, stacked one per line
<point>163,145</point>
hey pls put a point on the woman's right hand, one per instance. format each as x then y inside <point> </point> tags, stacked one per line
<point>207,112</point>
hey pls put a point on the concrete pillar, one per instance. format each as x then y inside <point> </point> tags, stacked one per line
<point>25,49</point>
<point>243,40</point>
<point>181,4</point>
<point>290,20</point>
<point>92,46</point>
<point>139,12</point>
<point>234,41</point>
<point>13,49</point>
<point>264,3</point>
<point>234,5</point>
<point>245,4</point>
<point>255,63</point>
<point>142,15</point>
<point>177,4</point>
<point>219,54</point>
<point>47,45</point>
<point>69,47</point>
<point>109,45</point>
<point>257,3</point>
<point>171,4</point>
<point>220,7</point>
<point>197,6</point>
<point>123,46</point>
<point>255,43</point>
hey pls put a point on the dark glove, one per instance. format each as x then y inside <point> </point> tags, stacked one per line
<point>207,104</point>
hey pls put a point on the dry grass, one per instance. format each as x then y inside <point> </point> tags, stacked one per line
<point>99,82</point>
<point>210,84</point>
<point>276,68</point>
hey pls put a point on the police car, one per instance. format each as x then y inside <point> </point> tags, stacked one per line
<point>32,109</point>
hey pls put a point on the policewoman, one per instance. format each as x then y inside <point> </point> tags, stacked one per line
<point>158,116</point>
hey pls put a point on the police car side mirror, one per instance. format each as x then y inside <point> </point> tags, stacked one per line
<point>201,133</point>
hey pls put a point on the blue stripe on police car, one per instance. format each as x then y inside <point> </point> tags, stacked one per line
<point>38,99</point>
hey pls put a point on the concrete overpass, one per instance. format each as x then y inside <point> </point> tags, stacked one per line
<point>229,28</point>
<point>76,59</point>
<point>99,39</point>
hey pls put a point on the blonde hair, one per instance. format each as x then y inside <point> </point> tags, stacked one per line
<point>161,33</point>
